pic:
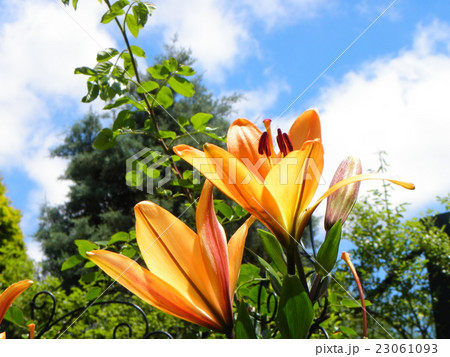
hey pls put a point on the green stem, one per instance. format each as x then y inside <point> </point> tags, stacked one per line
<point>301,270</point>
<point>150,110</point>
<point>230,334</point>
<point>290,261</point>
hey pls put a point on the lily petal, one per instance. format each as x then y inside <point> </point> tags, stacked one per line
<point>152,289</point>
<point>224,171</point>
<point>213,243</point>
<point>169,248</point>
<point>294,181</point>
<point>10,294</point>
<point>236,251</point>
<point>305,127</point>
<point>242,186</point>
<point>242,142</point>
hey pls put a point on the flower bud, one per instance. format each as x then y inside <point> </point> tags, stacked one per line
<point>340,203</point>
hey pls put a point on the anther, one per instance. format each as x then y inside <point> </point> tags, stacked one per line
<point>280,142</point>
<point>261,144</point>
<point>288,142</point>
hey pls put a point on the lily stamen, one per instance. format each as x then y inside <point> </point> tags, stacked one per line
<point>280,142</point>
<point>263,146</point>
<point>288,142</point>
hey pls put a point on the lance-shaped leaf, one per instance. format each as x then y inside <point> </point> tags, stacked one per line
<point>295,313</point>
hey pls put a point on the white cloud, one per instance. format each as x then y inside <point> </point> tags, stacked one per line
<point>42,43</point>
<point>281,13</point>
<point>256,103</point>
<point>211,29</point>
<point>398,104</point>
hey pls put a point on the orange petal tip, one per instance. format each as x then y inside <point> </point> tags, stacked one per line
<point>240,122</point>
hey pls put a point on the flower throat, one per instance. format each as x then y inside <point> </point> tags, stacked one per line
<point>265,146</point>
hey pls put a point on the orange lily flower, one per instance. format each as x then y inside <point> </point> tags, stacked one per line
<point>276,188</point>
<point>190,275</point>
<point>9,295</point>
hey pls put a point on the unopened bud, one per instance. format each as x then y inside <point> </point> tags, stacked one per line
<point>340,203</point>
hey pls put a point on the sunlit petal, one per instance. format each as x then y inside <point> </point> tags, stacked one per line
<point>169,248</point>
<point>213,243</point>
<point>10,294</point>
<point>154,290</point>
<point>241,185</point>
<point>235,252</point>
<point>305,127</point>
<point>242,142</point>
<point>294,181</point>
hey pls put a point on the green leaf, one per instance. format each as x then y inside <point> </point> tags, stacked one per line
<point>116,10</point>
<point>141,12</point>
<point>171,64</point>
<point>110,15</point>
<point>214,136</point>
<point>94,293</point>
<point>181,86</point>
<point>295,313</point>
<point>274,278</point>
<point>185,71</point>
<point>128,64</point>
<point>248,272</point>
<point>89,264</point>
<point>132,25</point>
<point>167,134</point>
<point>129,252</point>
<point>158,71</point>
<point>86,71</point>
<point>183,121</point>
<point>119,4</point>
<point>147,87</point>
<point>89,277</point>
<point>118,103</point>
<point>348,331</point>
<point>85,246</point>
<point>137,51</point>
<point>92,94</point>
<point>152,173</point>
<point>200,120</point>
<point>15,315</point>
<point>119,237</point>
<point>327,255</point>
<point>354,303</point>
<point>104,139</point>
<point>223,208</point>
<point>134,179</point>
<point>72,261</point>
<point>243,327</point>
<point>123,121</point>
<point>239,211</point>
<point>103,67</point>
<point>164,97</point>
<point>106,54</point>
<point>274,250</point>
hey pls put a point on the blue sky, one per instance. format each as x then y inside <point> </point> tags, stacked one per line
<point>388,91</point>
